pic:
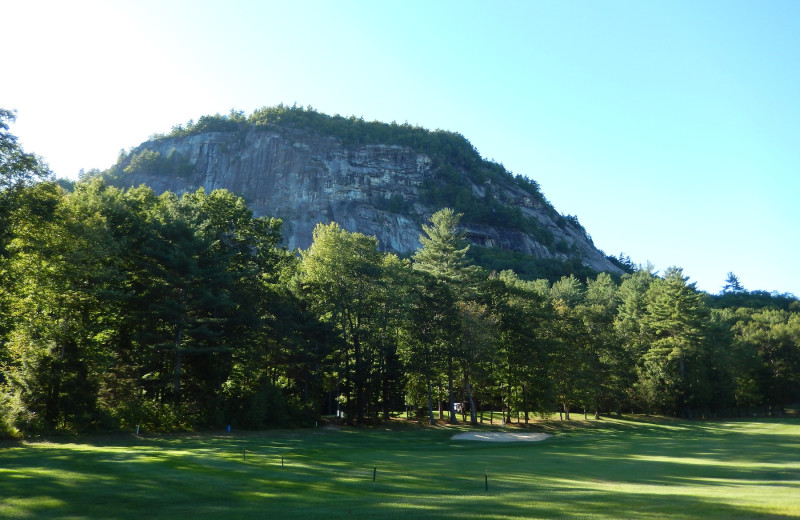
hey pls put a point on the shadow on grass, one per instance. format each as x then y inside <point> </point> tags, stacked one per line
<point>615,469</point>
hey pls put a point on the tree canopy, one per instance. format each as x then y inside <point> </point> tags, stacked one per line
<point>122,308</point>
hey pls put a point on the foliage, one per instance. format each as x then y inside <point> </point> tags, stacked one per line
<point>457,164</point>
<point>123,308</point>
<point>732,284</point>
<point>526,266</point>
<point>184,312</point>
<point>18,172</point>
<point>151,162</point>
<point>341,271</point>
<point>231,122</point>
<point>18,169</point>
<point>754,300</point>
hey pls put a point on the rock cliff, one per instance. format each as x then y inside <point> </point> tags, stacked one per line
<point>304,176</point>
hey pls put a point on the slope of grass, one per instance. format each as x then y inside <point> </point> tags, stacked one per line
<point>613,468</point>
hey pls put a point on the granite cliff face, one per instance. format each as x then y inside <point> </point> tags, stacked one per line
<point>305,177</point>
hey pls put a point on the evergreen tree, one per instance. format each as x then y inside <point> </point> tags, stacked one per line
<point>676,322</point>
<point>443,253</point>
<point>522,360</point>
<point>443,256</point>
<point>774,337</point>
<point>569,290</point>
<point>732,284</point>
<point>431,318</point>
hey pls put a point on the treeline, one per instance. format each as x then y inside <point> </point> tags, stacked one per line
<point>350,130</point>
<point>121,308</point>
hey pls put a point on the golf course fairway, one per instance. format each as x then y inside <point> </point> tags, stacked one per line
<point>610,468</point>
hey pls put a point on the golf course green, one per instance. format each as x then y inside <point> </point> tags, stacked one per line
<point>610,468</point>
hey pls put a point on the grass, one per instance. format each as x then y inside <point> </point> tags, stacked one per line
<point>612,468</point>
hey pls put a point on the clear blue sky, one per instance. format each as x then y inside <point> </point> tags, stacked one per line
<point>671,129</point>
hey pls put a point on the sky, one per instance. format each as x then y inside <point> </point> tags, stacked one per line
<point>670,129</point>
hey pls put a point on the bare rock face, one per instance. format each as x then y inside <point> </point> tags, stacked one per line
<point>305,178</point>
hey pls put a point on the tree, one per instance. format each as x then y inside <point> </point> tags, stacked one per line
<point>524,345</point>
<point>431,318</point>
<point>18,172</point>
<point>676,323</point>
<point>569,290</point>
<point>569,361</point>
<point>443,253</point>
<point>191,272</point>
<point>604,360</point>
<point>775,337</point>
<point>629,328</point>
<point>393,298</point>
<point>18,169</point>
<point>443,256</point>
<point>62,280</point>
<point>341,271</point>
<point>732,284</point>
<point>476,340</point>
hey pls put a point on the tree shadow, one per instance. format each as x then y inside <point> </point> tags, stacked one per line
<point>635,469</point>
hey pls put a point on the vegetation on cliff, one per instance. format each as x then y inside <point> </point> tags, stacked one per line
<point>456,161</point>
<point>484,192</point>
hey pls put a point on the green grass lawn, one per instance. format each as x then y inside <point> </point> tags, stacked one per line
<point>612,468</point>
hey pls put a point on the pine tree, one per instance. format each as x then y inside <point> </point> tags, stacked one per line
<point>676,323</point>
<point>443,256</point>
<point>443,253</point>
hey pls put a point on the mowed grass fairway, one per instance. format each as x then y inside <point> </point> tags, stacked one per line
<point>612,468</point>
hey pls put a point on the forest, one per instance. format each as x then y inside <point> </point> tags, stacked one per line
<point>120,308</point>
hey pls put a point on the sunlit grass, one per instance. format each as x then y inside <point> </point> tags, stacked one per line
<point>612,468</point>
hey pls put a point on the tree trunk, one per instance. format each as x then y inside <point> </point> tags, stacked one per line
<point>502,412</point>
<point>385,389</point>
<point>451,397</point>
<point>430,402</point>
<point>53,405</point>
<point>439,400</point>
<point>525,403</point>
<point>358,380</point>
<point>348,380</point>
<point>53,402</point>
<point>473,419</point>
<point>176,384</point>
<point>507,418</point>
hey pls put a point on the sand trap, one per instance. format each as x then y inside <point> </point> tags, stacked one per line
<point>501,436</point>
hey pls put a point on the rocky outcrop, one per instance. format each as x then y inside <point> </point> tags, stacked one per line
<point>305,178</point>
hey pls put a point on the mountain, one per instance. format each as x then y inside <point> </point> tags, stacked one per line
<point>379,179</point>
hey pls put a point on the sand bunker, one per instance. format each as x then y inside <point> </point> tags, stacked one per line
<point>501,436</point>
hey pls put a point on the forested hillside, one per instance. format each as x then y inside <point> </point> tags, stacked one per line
<point>380,179</point>
<point>121,307</point>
